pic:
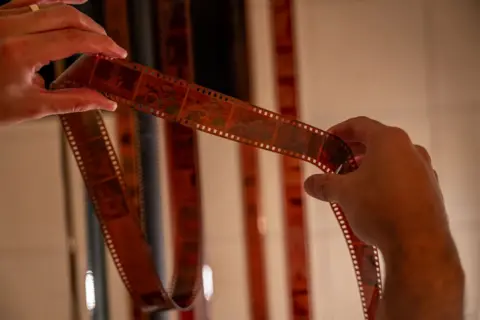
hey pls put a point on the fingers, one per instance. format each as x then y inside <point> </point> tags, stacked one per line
<point>359,129</point>
<point>64,101</point>
<point>325,187</point>
<point>48,19</point>
<point>359,159</point>
<point>38,81</point>
<point>24,3</point>
<point>424,153</point>
<point>426,156</point>
<point>357,148</point>
<point>39,49</point>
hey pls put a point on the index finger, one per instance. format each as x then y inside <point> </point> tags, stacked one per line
<point>359,129</point>
<point>41,48</point>
<point>25,3</point>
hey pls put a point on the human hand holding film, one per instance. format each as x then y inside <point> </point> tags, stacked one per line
<point>31,39</point>
<point>394,197</point>
<point>393,200</point>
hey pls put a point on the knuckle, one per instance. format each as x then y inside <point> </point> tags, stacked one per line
<point>79,107</point>
<point>397,134</point>
<point>73,15</point>
<point>421,149</point>
<point>84,40</point>
<point>362,118</point>
<point>75,36</point>
<point>424,153</point>
<point>68,9</point>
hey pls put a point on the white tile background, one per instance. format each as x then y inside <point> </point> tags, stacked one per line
<point>409,63</point>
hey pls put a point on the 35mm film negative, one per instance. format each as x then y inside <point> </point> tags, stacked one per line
<point>296,253</point>
<point>181,142</point>
<point>199,108</point>
<point>128,135</point>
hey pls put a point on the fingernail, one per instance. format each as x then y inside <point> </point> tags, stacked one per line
<point>101,29</point>
<point>111,106</point>
<point>120,51</point>
<point>308,185</point>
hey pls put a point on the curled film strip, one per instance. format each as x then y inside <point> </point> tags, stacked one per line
<point>149,91</point>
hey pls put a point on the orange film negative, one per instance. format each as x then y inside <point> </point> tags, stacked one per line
<point>199,108</point>
<point>296,243</point>
<point>116,24</point>
<point>177,60</point>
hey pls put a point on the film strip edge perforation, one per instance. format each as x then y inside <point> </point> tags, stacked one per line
<point>347,165</point>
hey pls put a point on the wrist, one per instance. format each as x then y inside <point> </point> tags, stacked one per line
<point>424,280</point>
<point>434,244</point>
<point>426,234</point>
<point>425,257</point>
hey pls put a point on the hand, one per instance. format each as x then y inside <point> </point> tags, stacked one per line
<point>30,40</point>
<point>394,196</point>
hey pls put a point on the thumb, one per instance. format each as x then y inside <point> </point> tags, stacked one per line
<point>72,100</point>
<point>325,187</point>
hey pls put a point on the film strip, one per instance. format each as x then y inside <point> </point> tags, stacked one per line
<point>177,60</point>
<point>255,247</point>
<point>199,108</point>
<point>116,24</point>
<point>294,221</point>
<point>254,220</point>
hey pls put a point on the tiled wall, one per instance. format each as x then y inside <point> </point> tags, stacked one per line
<point>408,63</point>
<point>356,58</point>
<point>33,247</point>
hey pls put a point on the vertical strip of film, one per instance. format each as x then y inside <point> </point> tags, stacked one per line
<point>181,142</point>
<point>97,260</point>
<point>116,25</point>
<point>253,222</point>
<point>143,50</point>
<point>59,67</point>
<point>253,236</point>
<point>295,230</point>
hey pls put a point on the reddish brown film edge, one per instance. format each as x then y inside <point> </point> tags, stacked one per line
<point>296,234</point>
<point>253,236</point>
<point>364,258</point>
<point>116,25</point>
<point>208,111</point>
<point>103,177</point>
<point>252,215</point>
<point>182,146</point>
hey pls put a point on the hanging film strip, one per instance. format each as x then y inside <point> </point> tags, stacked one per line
<point>199,108</point>
<point>181,141</point>
<point>296,252</point>
<point>116,24</point>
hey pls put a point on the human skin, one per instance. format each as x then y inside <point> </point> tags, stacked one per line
<point>393,201</point>
<point>30,40</point>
